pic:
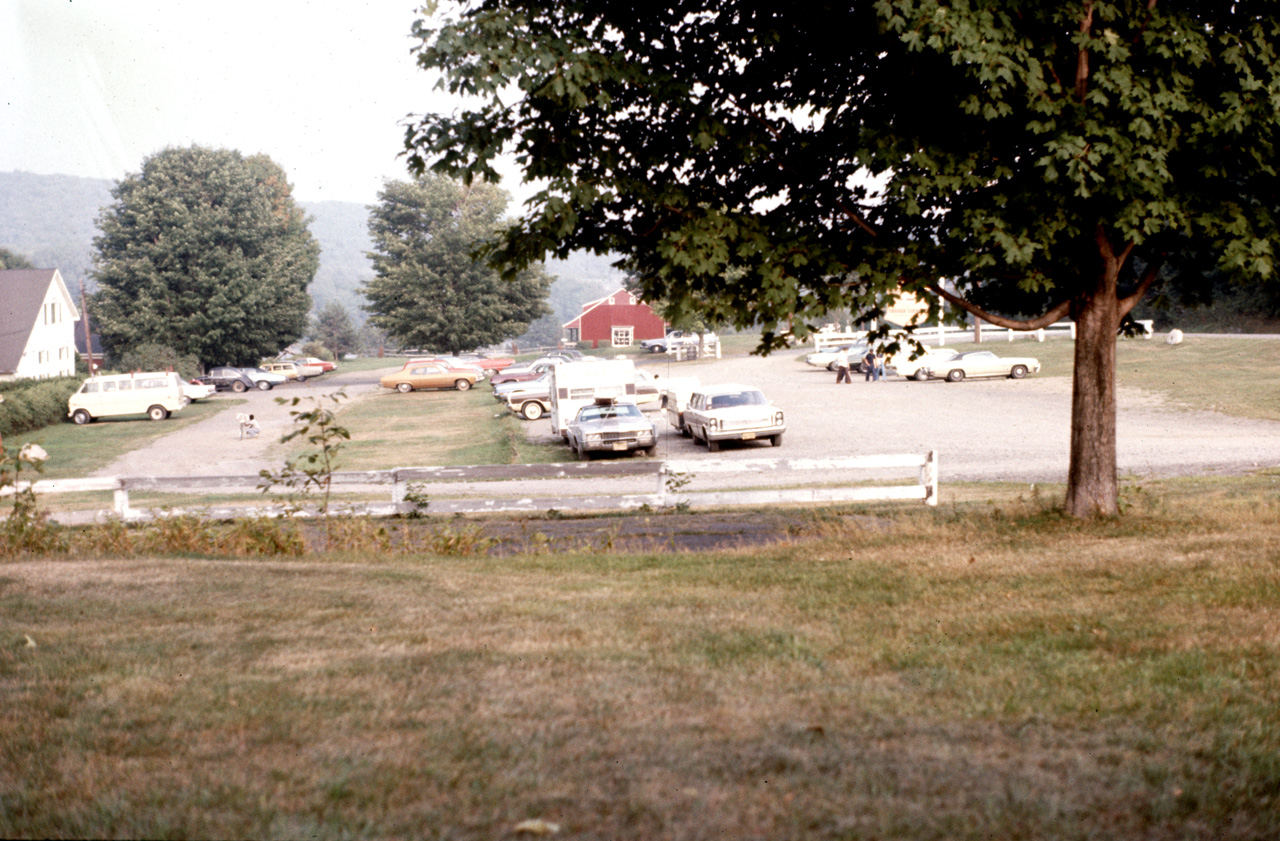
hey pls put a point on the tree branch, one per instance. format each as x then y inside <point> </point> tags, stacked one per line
<point>1127,303</point>
<point>1082,58</point>
<point>1053,314</point>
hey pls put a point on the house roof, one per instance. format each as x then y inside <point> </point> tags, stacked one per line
<point>22,291</point>
<point>576,321</point>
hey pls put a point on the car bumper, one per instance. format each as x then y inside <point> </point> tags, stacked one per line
<point>744,434</point>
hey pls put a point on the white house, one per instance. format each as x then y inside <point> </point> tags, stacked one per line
<point>37,325</point>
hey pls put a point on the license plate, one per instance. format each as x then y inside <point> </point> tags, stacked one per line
<point>619,447</point>
<point>747,436</point>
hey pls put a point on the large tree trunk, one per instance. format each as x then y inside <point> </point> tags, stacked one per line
<point>1091,478</point>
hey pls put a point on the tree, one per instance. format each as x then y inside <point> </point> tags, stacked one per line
<point>429,291</point>
<point>332,327</point>
<point>1020,161</point>
<point>11,260</point>
<point>204,251</point>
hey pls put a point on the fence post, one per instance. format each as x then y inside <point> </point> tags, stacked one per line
<point>929,478</point>
<point>662,485</point>
<point>398,487</point>
<point>121,497</point>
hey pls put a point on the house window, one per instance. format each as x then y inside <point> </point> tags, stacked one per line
<point>610,300</point>
<point>622,336</point>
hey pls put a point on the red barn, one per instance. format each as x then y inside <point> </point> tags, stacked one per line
<point>619,319</point>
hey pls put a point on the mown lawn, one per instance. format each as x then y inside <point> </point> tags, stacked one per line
<point>985,670</point>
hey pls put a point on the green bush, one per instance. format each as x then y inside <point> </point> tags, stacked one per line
<point>31,404</point>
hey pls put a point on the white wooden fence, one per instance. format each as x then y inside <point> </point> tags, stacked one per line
<point>674,486</point>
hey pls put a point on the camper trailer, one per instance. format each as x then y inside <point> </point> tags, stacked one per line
<point>578,384</point>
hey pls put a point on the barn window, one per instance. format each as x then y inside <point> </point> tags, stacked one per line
<point>622,336</point>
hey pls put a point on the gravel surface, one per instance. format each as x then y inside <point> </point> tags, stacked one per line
<point>1017,430</point>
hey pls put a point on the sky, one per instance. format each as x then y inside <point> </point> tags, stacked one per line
<point>94,87</point>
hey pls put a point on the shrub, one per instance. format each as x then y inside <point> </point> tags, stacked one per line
<point>31,404</point>
<point>155,357</point>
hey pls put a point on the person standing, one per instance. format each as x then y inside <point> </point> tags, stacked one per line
<point>842,366</point>
<point>871,366</point>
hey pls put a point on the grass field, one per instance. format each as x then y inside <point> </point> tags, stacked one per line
<point>982,671</point>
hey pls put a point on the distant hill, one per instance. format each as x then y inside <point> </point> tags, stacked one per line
<point>52,220</point>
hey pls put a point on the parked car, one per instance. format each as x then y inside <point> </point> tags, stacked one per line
<point>530,400</point>
<point>918,368</point>
<point>264,380</point>
<point>227,378</point>
<point>324,365</point>
<point>676,392</point>
<point>448,362</point>
<point>611,426</point>
<point>428,375</point>
<point>648,389</point>
<point>156,394</point>
<point>982,363</point>
<point>517,375</point>
<point>502,390</point>
<point>674,339</point>
<point>733,413</point>
<point>827,358</point>
<point>197,389</point>
<point>292,370</point>
<point>487,363</point>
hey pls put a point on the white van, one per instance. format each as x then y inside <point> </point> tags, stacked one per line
<point>155,394</point>
<point>577,384</point>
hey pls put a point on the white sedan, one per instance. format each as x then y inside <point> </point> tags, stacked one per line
<point>982,363</point>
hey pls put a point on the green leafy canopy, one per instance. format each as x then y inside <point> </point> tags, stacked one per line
<point>204,251</point>
<point>430,291</point>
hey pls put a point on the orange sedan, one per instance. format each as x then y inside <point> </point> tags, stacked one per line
<point>428,375</point>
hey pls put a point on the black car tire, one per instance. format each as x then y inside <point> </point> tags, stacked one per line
<point>775,440</point>
<point>157,413</point>
<point>404,388</point>
<point>1018,372</point>
<point>955,376</point>
<point>301,379</point>
<point>239,387</point>
<point>712,446</point>
<point>462,385</point>
<point>531,410</point>
<point>920,375</point>
<point>81,417</point>
<point>263,385</point>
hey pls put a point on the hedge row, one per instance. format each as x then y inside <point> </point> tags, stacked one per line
<point>31,404</point>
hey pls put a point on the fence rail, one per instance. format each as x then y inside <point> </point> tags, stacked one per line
<point>673,486</point>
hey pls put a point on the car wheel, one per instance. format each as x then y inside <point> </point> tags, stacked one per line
<point>238,387</point>
<point>647,452</point>
<point>301,379</point>
<point>712,446</point>
<point>462,385</point>
<point>263,385</point>
<point>831,366</point>
<point>157,413</point>
<point>582,452</point>
<point>955,376</point>
<point>404,388</point>
<point>920,375</point>
<point>81,417</point>
<point>186,401</point>
<point>1018,372</point>
<point>658,349</point>
<point>776,440</point>
<point>531,410</point>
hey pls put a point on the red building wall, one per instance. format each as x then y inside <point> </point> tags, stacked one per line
<point>596,325</point>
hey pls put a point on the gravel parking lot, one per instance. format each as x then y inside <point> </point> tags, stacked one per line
<point>1016,430</point>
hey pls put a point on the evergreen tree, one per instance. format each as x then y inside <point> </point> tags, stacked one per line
<point>430,292</point>
<point>1045,160</point>
<point>204,251</point>
<point>332,327</point>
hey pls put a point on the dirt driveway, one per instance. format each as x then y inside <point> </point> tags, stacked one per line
<point>983,430</point>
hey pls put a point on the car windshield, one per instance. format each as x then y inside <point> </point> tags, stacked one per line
<point>737,398</point>
<point>624,410</point>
